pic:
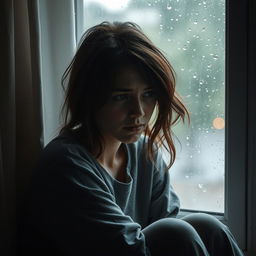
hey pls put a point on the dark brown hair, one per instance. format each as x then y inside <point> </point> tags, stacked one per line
<point>103,49</point>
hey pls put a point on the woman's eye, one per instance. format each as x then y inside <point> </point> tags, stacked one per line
<point>149,94</point>
<point>119,97</point>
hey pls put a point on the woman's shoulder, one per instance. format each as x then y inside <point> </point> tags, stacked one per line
<point>62,142</point>
<point>64,147</point>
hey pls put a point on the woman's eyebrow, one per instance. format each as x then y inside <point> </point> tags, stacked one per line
<point>149,88</point>
<point>129,90</point>
<point>121,90</point>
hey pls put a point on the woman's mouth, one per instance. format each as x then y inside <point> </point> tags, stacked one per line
<point>135,128</point>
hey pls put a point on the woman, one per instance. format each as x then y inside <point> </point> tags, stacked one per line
<point>101,187</point>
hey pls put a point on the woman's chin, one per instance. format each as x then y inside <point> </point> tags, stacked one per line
<point>131,139</point>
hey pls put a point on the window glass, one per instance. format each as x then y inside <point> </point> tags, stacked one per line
<point>191,33</point>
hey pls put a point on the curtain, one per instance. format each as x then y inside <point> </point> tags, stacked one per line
<point>20,109</point>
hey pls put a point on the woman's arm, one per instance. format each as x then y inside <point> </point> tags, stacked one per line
<point>164,201</point>
<point>75,208</point>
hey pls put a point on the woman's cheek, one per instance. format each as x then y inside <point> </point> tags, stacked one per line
<point>116,113</point>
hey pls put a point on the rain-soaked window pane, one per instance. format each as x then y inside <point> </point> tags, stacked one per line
<point>191,33</point>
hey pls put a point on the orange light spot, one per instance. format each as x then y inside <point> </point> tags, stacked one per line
<point>218,123</point>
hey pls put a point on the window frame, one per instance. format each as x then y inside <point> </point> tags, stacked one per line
<point>236,140</point>
<point>236,146</point>
<point>251,176</point>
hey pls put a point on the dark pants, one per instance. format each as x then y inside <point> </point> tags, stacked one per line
<point>194,235</point>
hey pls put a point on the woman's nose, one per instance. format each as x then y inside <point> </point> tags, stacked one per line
<point>137,109</point>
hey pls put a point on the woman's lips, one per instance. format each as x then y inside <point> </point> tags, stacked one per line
<point>135,128</point>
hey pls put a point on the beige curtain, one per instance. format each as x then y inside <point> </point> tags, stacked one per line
<point>20,109</point>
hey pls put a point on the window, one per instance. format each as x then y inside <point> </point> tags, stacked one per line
<point>192,36</point>
<point>209,169</point>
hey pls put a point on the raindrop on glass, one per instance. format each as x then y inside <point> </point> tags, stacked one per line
<point>168,7</point>
<point>185,47</point>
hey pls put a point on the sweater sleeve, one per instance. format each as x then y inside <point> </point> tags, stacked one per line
<point>75,208</point>
<point>164,201</point>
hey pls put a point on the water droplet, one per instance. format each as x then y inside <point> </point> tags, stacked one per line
<point>168,7</point>
<point>200,186</point>
<point>203,29</point>
<point>187,176</point>
<point>185,47</point>
<point>215,56</point>
<point>189,29</point>
<point>194,76</point>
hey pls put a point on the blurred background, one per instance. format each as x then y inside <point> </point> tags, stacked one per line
<point>191,34</point>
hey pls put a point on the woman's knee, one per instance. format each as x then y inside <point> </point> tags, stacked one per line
<point>170,228</point>
<point>173,235</point>
<point>205,224</point>
<point>215,235</point>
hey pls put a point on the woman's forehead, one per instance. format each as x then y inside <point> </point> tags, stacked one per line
<point>129,77</point>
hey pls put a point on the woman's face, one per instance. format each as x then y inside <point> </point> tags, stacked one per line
<point>128,110</point>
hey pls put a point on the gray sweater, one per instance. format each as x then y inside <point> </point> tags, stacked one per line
<point>79,206</point>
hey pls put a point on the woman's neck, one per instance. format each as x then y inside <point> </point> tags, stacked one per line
<point>110,154</point>
<point>113,159</point>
